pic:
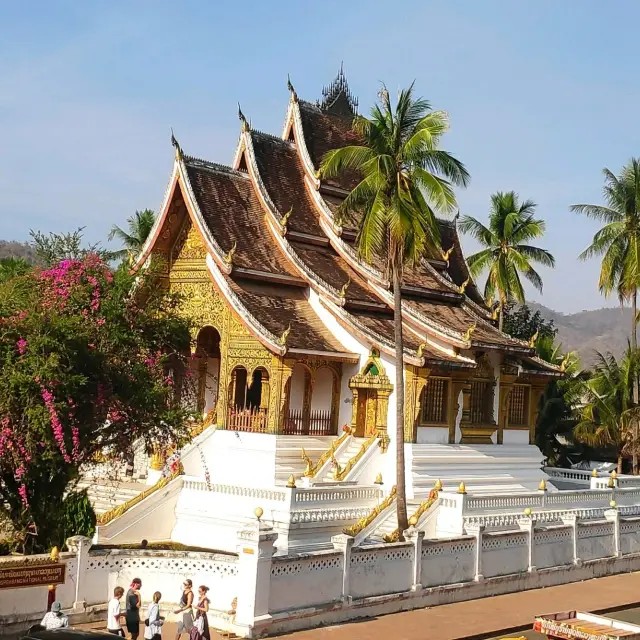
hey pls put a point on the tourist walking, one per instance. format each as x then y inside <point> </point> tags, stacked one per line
<point>186,602</point>
<point>200,629</point>
<point>154,621</point>
<point>114,615</point>
<point>55,619</point>
<point>133,602</point>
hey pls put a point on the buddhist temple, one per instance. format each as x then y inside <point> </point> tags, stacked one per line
<point>294,332</point>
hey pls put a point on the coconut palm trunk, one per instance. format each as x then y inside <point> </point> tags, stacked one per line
<point>401,491</point>
<point>634,346</point>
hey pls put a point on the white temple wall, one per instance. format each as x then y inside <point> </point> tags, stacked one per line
<point>322,390</point>
<point>296,397</point>
<point>432,435</point>
<point>353,345</point>
<point>511,436</point>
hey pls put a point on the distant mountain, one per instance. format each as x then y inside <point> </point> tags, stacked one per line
<point>586,332</point>
<point>14,249</point>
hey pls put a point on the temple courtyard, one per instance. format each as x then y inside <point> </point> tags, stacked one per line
<point>498,617</point>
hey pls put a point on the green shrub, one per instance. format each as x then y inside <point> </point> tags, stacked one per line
<point>77,516</point>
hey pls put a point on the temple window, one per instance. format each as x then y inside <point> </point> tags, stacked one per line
<point>434,401</point>
<point>518,406</point>
<point>248,404</point>
<point>481,402</point>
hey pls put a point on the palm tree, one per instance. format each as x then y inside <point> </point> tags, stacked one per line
<point>506,253</point>
<point>139,225</point>
<point>605,418</point>
<point>405,177</point>
<point>618,242</point>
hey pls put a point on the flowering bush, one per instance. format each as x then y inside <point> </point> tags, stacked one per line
<point>86,356</point>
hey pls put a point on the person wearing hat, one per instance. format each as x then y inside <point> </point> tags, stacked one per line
<point>55,619</point>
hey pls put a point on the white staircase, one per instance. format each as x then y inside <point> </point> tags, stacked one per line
<point>486,469</point>
<point>343,457</point>
<point>289,459</point>
<point>106,494</point>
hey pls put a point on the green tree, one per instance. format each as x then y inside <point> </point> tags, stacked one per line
<point>506,253</point>
<point>86,368</point>
<point>618,242</point>
<point>52,248</point>
<point>405,178</point>
<point>608,396</point>
<point>139,227</point>
<point>11,267</point>
<point>520,322</point>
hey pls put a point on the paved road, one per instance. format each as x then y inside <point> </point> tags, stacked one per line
<point>495,617</point>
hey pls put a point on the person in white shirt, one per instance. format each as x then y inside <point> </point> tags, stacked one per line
<point>55,619</point>
<point>113,613</point>
<point>153,623</point>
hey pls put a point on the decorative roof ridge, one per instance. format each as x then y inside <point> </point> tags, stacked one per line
<point>273,138</point>
<point>201,163</point>
<point>223,259</point>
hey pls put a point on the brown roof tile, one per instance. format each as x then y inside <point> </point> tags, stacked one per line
<point>323,132</point>
<point>283,177</point>
<point>459,319</point>
<point>233,214</point>
<point>277,308</point>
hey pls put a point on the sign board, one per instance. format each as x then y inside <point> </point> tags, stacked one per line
<point>34,575</point>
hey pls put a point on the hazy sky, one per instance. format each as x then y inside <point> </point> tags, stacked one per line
<point>542,95</point>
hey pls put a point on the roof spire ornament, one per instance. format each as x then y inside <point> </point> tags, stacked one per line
<point>447,253</point>
<point>246,126</point>
<point>285,217</point>
<point>532,341</point>
<point>232,252</point>
<point>292,91</point>
<point>469,331</point>
<point>285,336</point>
<point>463,286</point>
<point>337,98</point>
<point>176,145</point>
<point>345,286</point>
<point>421,347</point>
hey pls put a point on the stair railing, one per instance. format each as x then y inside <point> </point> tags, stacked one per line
<point>341,473</point>
<point>423,507</point>
<point>313,470</point>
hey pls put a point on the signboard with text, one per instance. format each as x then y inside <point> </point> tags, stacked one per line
<point>35,575</point>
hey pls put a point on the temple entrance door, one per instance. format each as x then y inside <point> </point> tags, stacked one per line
<point>366,413</point>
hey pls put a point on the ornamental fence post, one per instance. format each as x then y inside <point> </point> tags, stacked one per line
<point>571,520</point>
<point>255,545</point>
<point>417,538</point>
<point>344,543</point>
<point>613,515</point>
<point>80,545</point>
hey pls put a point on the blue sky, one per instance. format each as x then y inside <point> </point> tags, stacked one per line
<point>542,95</point>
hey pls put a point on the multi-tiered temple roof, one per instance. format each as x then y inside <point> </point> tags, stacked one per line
<point>293,274</point>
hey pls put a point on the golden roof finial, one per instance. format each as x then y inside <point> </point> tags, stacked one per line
<point>421,347</point>
<point>532,340</point>
<point>245,124</point>
<point>462,488</point>
<point>345,286</point>
<point>285,217</point>
<point>565,362</point>
<point>294,95</point>
<point>291,482</point>
<point>469,331</point>
<point>543,485</point>
<point>55,554</point>
<point>594,473</point>
<point>447,253</point>
<point>232,252</point>
<point>285,336</point>
<point>178,148</point>
<point>495,313</point>
<point>463,286</point>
